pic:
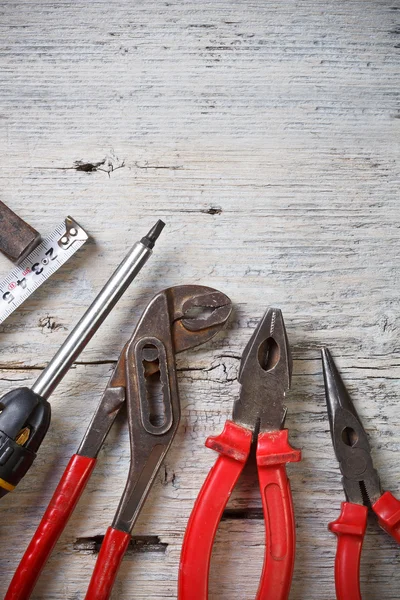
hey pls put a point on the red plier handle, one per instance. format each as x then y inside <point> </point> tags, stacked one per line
<point>110,556</point>
<point>387,509</point>
<point>350,529</point>
<point>233,445</point>
<point>54,520</point>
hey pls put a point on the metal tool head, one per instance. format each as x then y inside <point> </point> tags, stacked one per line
<point>176,319</point>
<point>197,313</point>
<point>349,438</point>
<point>265,375</point>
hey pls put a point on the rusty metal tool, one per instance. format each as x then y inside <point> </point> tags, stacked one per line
<point>145,380</point>
<point>257,420</point>
<point>17,237</point>
<point>37,262</point>
<point>25,413</point>
<point>361,484</point>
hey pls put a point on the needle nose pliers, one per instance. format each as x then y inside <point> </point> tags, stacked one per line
<point>360,481</point>
<point>258,417</point>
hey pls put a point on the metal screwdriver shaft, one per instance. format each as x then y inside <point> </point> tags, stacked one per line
<point>25,414</point>
<point>96,313</point>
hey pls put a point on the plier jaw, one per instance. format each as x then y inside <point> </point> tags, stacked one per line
<point>361,481</point>
<point>265,375</point>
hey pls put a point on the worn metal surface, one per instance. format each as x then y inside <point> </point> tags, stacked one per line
<point>266,134</point>
<point>154,415</point>
<point>17,237</point>
<point>165,329</point>
<point>265,374</point>
<point>350,441</point>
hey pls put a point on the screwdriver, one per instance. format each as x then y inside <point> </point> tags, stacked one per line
<point>25,412</point>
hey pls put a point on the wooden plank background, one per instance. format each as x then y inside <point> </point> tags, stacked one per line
<point>266,134</point>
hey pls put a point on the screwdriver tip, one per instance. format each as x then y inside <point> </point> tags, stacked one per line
<point>150,239</point>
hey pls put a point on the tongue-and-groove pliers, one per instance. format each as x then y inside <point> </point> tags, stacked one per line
<point>145,380</point>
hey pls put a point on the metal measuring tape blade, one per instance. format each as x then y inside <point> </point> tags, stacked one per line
<point>51,253</point>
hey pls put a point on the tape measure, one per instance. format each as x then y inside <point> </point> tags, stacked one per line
<point>51,253</point>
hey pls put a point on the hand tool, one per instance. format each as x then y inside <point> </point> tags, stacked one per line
<point>25,413</point>
<point>360,481</point>
<point>258,418</point>
<point>145,380</point>
<point>43,261</point>
<point>17,237</point>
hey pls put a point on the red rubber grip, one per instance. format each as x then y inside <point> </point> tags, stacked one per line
<point>51,526</point>
<point>110,556</point>
<point>233,445</point>
<point>388,510</point>
<point>273,452</point>
<point>350,530</point>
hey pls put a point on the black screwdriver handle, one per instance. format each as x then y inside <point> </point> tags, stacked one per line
<point>24,421</point>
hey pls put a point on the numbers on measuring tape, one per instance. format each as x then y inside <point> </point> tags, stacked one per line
<point>37,269</point>
<point>50,253</point>
<point>8,297</point>
<point>22,283</point>
<point>38,266</point>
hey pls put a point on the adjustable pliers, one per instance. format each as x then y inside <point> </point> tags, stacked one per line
<point>258,417</point>
<point>360,481</point>
<point>176,319</point>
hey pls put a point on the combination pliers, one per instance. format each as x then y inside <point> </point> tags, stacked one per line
<point>258,419</point>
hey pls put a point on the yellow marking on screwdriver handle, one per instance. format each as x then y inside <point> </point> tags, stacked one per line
<point>23,436</point>
<point>7,486</point>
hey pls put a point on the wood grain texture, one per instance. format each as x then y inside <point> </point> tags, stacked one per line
<point>266,134</point>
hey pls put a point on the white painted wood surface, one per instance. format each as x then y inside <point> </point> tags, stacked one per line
<point>267,136</point>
